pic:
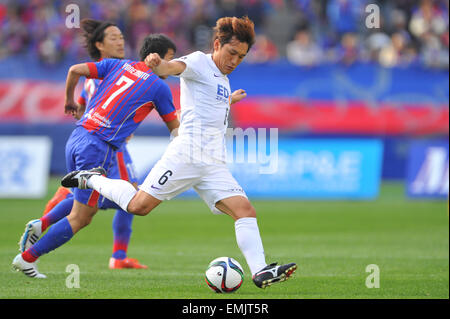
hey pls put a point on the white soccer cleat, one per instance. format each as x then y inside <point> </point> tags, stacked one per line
<point>29,269</point>
<point>79,178</point>
<point>33,231</point>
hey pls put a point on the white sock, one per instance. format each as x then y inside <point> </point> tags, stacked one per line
<point>249,241</point>
<point>119,191</point>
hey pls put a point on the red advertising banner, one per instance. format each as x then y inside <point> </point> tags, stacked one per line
<point>43,102</point>
<point>349,117</point>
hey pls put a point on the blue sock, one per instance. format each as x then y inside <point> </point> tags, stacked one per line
<point>58,235</point>
<point>58,212</point>
<point>122,232</point>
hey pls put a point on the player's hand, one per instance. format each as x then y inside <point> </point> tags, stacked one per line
<point>238,95</point>
<point>80,111</point>
<point>70,108</point>
<point>152,60</point>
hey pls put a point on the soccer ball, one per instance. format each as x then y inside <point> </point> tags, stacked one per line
<point>224,274</point>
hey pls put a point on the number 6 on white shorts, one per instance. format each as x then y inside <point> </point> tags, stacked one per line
<point>165,177</point>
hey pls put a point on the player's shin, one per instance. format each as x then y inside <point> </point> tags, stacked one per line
<point>250,243</point>
<point>122,232</point>
<point>58,235</point>
<point>119,191</point>
<point>61,210</point>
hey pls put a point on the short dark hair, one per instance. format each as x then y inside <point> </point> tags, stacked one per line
<point>156,43</point>
<point>228,27</point>
<point>94,31</point>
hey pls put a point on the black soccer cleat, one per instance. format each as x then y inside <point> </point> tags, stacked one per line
<point>79,178</point>
<point>272,274</point>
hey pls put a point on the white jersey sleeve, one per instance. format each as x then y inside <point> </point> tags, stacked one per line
<point>195,65</point>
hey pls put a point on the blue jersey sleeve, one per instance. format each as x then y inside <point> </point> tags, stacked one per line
<point>98,70</point>
<point>164,103</point>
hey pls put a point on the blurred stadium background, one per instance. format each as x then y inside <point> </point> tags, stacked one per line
<point>316,71</point>
<point>356,108</point>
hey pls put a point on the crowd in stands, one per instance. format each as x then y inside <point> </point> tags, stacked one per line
<point>305,32</point>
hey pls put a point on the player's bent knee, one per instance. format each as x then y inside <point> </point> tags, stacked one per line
<point>142,204</point>
<point>249,211</point>
<point>236,207</point>
<point>245,210</point>
<point>138,209</point>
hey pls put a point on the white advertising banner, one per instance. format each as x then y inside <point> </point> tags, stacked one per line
<point>145,152</point>
<point>24,166</point>
<point>293,168</point>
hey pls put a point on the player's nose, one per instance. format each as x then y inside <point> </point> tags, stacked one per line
<point>234,61</point>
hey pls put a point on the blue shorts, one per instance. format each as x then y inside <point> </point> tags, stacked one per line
<point>85,151</point>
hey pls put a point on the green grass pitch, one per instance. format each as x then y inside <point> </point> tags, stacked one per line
<point>332,242</point>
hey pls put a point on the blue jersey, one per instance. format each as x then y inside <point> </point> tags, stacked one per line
<point>89,88</point>
<point>123,167</point>
<point>127,94</point>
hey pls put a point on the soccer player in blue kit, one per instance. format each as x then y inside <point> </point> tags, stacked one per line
<point>102,40</point>
<point>127,94</point>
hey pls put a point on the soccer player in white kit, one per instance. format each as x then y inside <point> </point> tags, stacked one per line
<point>196,158</point>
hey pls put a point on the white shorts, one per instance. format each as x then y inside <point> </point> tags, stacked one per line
<point>174,174</point>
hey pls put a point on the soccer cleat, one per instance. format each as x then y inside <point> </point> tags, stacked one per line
<point>125,263</point>
<point>79,178</point>
<point>29,269</point>
<point>272,274</point>
<point>59,196</point>
<point>33,231</point>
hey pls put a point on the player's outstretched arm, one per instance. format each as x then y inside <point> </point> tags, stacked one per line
<point>73,76</point>
<point>162,67</point>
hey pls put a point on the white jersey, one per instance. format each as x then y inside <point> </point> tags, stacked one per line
<point>205,104</point>
<point>196,158</point>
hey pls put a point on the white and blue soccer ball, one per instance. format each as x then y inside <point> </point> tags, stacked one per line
<point>224,274</point>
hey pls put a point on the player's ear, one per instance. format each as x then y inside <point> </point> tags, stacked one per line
<point>99,45</point>
<point>216,45</point>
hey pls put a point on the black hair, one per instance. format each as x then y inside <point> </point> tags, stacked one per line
<point>94,31</point>
<point>156,43</point>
